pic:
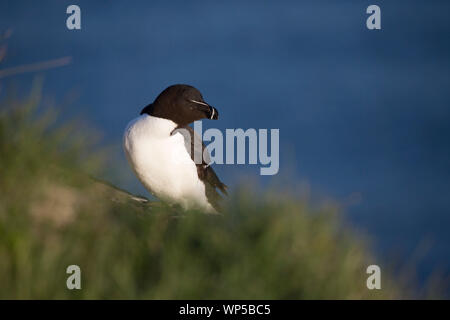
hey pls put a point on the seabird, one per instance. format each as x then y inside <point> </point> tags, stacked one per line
<point>166,154</point>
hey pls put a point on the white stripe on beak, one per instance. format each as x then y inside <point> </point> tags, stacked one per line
<point>207,105</point>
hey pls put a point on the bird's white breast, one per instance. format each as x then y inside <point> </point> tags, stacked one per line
<point>162,163</point>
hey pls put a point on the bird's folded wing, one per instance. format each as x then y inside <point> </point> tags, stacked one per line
<point>194,145</point>
<point>200,155</point>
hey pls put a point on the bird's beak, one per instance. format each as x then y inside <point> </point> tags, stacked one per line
<point>213,114</point>
<point>209,111</point>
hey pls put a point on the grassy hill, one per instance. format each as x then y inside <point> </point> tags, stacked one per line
<point>52,215</point>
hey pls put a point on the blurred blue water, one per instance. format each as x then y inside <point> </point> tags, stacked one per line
<point>360,112</point>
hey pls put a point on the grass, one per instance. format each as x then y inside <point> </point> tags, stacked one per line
<point>53,215</point>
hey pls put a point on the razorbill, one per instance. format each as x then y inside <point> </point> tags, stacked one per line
<point>161,148</point>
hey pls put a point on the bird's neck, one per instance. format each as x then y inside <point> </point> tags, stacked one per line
<point>157,126</point>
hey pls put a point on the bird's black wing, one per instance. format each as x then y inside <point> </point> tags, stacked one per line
<point>200,155</point>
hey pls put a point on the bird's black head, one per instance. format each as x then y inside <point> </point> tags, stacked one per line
<point>183,104</point>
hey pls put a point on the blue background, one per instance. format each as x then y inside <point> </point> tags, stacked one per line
<point>363,115</point>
